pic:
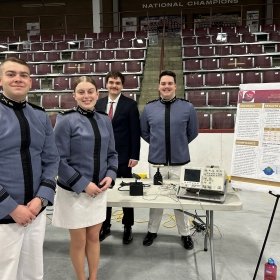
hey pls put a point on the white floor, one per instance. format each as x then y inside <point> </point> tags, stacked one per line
<point>238,238</point>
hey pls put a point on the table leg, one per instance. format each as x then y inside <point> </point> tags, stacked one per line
<point>211,243</point>
<point>206,232</point>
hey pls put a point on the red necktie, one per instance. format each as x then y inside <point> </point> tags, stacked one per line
<point>111,110</point>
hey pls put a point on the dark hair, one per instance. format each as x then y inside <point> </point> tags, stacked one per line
<point>16,60</point>
<point>114,75</point>
<point>84,79</point>
<point>167,73</point>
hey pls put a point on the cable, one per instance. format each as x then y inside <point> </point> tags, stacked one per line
<point>123,184</point>
<point>199,226</point>
<point>123,190</point>
<point>117,217</point>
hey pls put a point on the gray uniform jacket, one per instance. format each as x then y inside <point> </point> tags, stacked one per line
<point>168,127</point>
<point>85,141</point>
<point>28,156</point>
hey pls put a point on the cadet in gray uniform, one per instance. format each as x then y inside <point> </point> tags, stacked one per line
<point>88,165</point>
<point>168,124</point>
<point>28,167</point>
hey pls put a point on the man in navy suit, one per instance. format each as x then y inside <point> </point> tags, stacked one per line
<point>124,114</point>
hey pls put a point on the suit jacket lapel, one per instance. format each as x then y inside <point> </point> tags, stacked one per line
<point>103,104</point>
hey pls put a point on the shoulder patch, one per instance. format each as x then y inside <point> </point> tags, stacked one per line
<point>101,112</point>
<point>183,99</point>
<point>151,101</point>
<point>36,106</point>
<point>65,112</point>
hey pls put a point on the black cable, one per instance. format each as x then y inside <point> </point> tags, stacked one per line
<point>123,184</point>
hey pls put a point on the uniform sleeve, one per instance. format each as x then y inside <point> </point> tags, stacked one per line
<point>7,203</point>
<point>112,155</point>
<point>50,162</point>
<point>67,173</point>
<point>192,128</point>
<point>145,127</point>
<point>135,132</point>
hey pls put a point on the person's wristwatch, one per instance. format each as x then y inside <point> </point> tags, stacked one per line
<point>44,202</point>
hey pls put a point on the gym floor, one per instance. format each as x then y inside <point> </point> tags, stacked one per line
<point>238,239</point>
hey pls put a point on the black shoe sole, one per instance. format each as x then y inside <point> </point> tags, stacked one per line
<point>149,242</point>
<point>188,248</point>
<point>126,242</point>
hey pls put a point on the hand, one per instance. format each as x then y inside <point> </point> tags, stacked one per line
<point>92,189</point>
<point>22,215</point>
<point>35,205</point>
<point>132,163</point>
<point>105,183</point>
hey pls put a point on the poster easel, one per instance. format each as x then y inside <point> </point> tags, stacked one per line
<point>256,151</point>
<point>267,233</point>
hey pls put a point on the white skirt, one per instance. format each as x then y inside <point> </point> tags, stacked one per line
<point>73,211</point>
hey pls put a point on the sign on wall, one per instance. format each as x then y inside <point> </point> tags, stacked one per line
<point>252,20</point>
<point>129,24</point>
<point>185,4</point>
<point>156,24</point>
<point>256,151</point>
<point>216,20</point>
<point>33,28</point>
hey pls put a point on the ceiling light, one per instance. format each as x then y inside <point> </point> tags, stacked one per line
<point>39,5</point>
<point>35,5</point>
<point>54,4</point>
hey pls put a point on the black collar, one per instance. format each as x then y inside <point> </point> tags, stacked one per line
<point>87,113</point>
<point>11,103</point>
<point>167,101</point>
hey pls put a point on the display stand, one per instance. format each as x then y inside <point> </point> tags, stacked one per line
<point>256,154</point>
<point>267,233</point>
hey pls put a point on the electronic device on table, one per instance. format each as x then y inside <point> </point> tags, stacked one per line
<point>206,184</point>
<point>135,188</point>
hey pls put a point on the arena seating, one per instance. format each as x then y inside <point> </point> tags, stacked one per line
<point>55,60</point>
<point>213,69</point>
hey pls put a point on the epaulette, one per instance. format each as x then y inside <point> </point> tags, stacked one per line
<point>101,112</point>
<point>65,112</point>
<point>36,106</point>
<point>183,99</point>
<point>153,101</point>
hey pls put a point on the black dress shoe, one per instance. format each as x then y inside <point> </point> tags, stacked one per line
<point>127,235</point>
<point>149,238</point>
<point>187,242</point>
<point>104,232</point>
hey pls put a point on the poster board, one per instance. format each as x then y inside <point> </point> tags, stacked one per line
<point>256,145</point>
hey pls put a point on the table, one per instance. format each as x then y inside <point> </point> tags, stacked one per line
<point>165,197</point>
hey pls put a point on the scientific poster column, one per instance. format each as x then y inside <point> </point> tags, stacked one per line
<point>256,150</point>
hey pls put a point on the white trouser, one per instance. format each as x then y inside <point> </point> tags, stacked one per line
<point>21,248</point>
<point>167,172</point>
